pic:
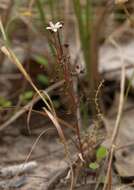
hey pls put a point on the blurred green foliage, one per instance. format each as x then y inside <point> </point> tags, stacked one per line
<point>4,102</point>
<point>26,96</point>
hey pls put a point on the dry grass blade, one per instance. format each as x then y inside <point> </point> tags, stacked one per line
<point>2,31</point>
<point>57,125</point>
<point>61,134</point>
<point>29,114</point>
<point>107,185</point>
<point>28,118</point>
<point>34,145</point>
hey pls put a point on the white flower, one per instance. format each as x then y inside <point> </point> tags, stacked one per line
<point>54,27</point>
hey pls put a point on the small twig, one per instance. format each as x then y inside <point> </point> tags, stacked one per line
<point>11,171</point>
<point>124,146</point>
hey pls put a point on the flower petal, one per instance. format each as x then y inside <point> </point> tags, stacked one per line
<point>55,29</point>
<point>51,24</point>
<point>48,28</point>
<point>57,24</point>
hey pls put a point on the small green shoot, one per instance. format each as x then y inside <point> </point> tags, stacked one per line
<point>43,79</point>
<point>94,165</point>
<point>101,153</point>
<point>41,60</point>
<point>26,96</point>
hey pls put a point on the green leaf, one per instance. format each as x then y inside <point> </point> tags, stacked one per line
<point>4,102</point>
<point>7,103</point>
<point>27,95</point>
<point>41,60</point>
<point>94,165</point>
<point>101,153</point>
<point>43,79</point>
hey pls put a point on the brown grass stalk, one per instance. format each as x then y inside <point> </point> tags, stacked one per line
<point>115,132</point>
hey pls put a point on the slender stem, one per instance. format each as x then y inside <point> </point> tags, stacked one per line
<point>41,11</point>
<point>60,45</point>
<point>116,129</point>
<point>5,21</point>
